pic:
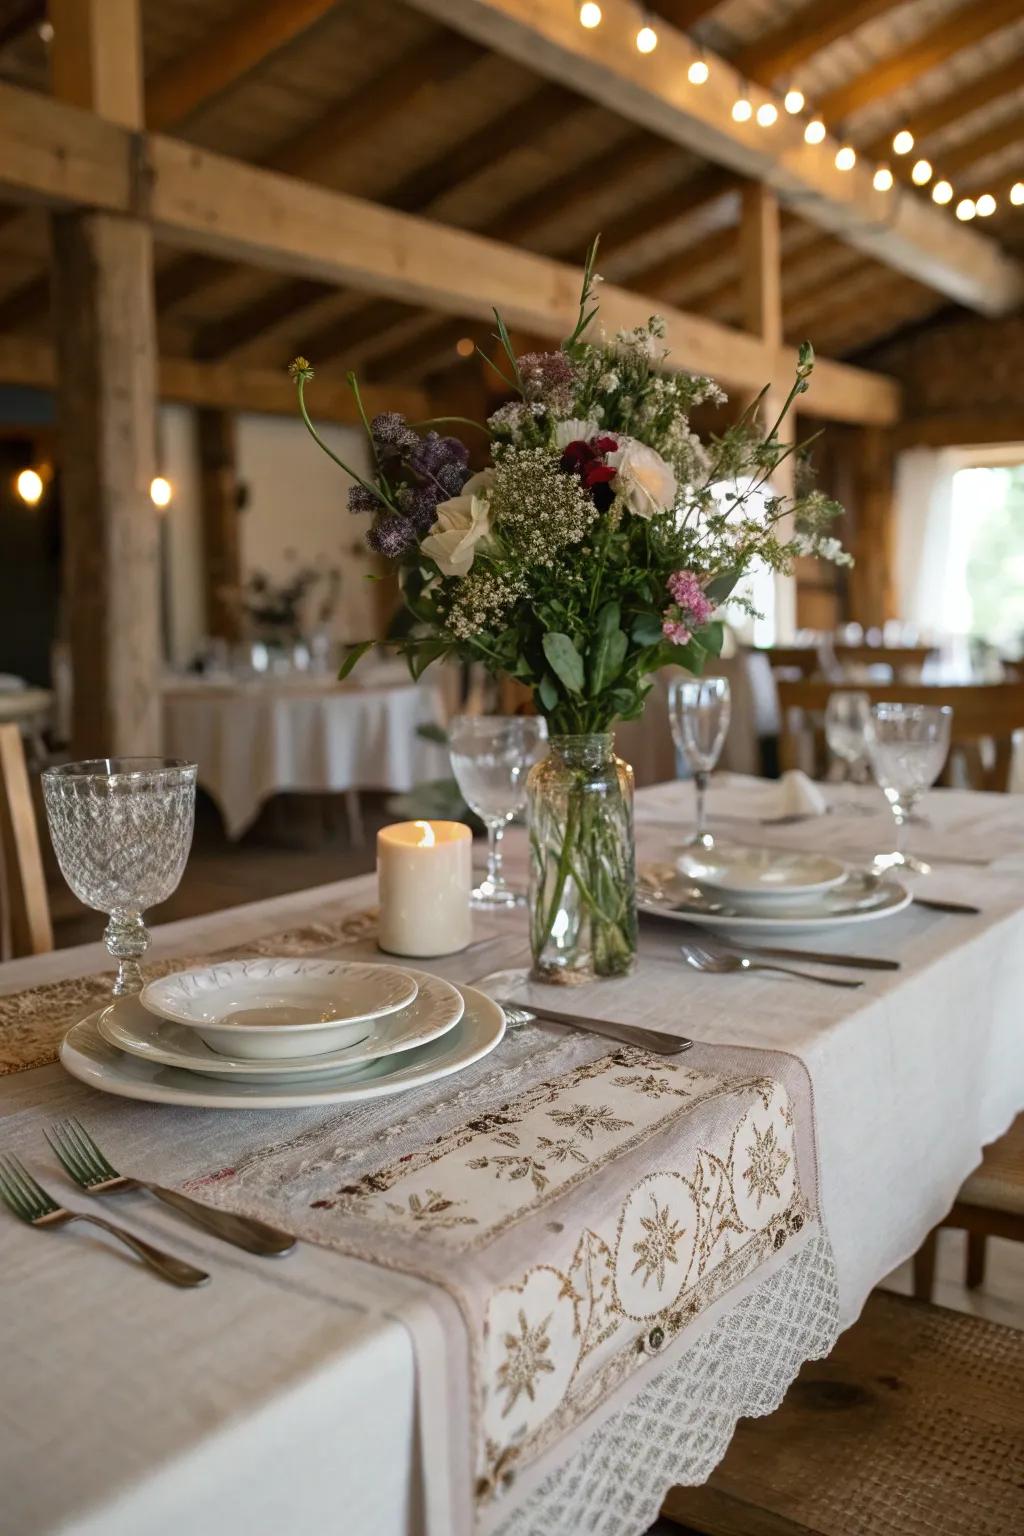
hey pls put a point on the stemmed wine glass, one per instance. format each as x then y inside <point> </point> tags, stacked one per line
<point>491,756</point>
<point>847,721</point>
<point>122,829</point>
<point>699,716</point>
<point>907,745</point>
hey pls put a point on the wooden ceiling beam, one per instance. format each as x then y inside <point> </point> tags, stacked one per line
<point>963,29</point>
<point>808,31</point>
<point>652,90</point>
<point>960,158</point>
<point>926,122</point>
<point>65,157</point>
<point>685,14</point>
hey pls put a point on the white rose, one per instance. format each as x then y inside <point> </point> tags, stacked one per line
<point>459,526</point>
<point>645,482</point>
<point>574,431</point>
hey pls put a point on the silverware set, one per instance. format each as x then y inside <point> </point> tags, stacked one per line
<point>87,1166</point>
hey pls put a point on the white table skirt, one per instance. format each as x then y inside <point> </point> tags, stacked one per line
<point>282,1396</point>
<point>255,740</point>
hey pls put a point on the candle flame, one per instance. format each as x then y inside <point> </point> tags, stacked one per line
<point>427,835</point>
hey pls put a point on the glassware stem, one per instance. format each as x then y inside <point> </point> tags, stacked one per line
<point>495,862</point>
<point>127,940</point>
<point>701,836</point>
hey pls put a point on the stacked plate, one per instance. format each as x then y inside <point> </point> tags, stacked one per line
<point>277,1034</point>
<point>766,889</point>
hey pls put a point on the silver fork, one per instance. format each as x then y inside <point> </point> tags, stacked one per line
<point>25,1198</point>
<point>82,1159</point>
<point>726,965</point>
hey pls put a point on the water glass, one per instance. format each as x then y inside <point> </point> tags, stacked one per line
<point>491,756</point>
<point>847,720</point>
<point>121,829</point>
<point>907,746</point>
<point>699,716</point>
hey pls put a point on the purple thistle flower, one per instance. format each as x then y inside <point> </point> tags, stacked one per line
<point>391,431</point>
<point>423,508</point>
<point>433,453</point>
<point>451,477</point>
<point>391,535</point>
<point>362,500</point>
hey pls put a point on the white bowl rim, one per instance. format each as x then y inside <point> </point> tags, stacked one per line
<point>274,1029</point>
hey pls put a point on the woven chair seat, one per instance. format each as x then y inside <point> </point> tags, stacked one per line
<point>914,1426</point>
<point>998,1183</point>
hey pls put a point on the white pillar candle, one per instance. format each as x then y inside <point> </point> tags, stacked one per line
<point>424,879</point>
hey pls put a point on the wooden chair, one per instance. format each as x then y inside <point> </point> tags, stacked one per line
<point>990,1204</point>
<point>912,1424</point>
<point>983,713</point>
<point>21,866</point>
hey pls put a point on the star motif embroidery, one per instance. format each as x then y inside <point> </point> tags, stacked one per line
<point>768,1162</point>
<point>657,1248</point>
<point>526,1359</point>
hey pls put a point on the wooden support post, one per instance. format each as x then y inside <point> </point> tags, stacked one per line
<point>107,358</point>
<point>761,295</point>
<point>218,493</point>
<point>872,596</point>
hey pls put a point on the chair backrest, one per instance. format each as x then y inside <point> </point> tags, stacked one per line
<point>982,712</point>
<point>21,864</point>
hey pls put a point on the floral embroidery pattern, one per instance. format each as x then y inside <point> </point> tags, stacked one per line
<point>433,1210</point>
<point>658,1247</point>
<point>768,1162</point>
<point>587,1119</point>
<point>563,1150</point>
<point>516,1168</point>
<point>526,1359</point>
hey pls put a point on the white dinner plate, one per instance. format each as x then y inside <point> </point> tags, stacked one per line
<point>762,875</point>
<point>860,898</point>
<point>86,1055</point>
<point>266,1008</point>
<point>436,1008</point>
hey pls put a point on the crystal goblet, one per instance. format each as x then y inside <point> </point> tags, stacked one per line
<point>907,745</point>
<point>121,829</point>
<point>699,716</point>
<point>491,756</point>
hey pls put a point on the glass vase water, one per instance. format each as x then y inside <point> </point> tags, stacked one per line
<point>121,830</point>
<point>582,861</point>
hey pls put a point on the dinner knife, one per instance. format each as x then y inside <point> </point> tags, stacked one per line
<point>656,1040</point>
<point>934,905</point>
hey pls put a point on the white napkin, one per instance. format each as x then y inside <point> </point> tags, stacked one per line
<point>797,795</point>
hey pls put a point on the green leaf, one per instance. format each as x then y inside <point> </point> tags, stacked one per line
<point>647,629</point>
<point>719,587</point>
<point>565,661</point>
<point>712,637</point>
<point>547,693</point>
<point>609,649</point>
<point>352,655</point>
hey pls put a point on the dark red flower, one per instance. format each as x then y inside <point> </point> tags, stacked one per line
<point>585,460</point>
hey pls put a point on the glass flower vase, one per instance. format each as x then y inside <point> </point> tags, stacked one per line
<point>582,861</point>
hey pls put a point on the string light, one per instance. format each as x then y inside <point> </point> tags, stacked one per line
<point>698,72</point>
<point>942,192</point>
<point>793,101</point>
<point>903,143</point>
<point>465,346</point>
<point>160,492</point>
<point>986,205</point>
<point>646,40</point>
<point>882,180</point>
<point>966,208</point>
<point>815,131</point>
<point>767,114</point>
<point>742,111</point>
<point>590,15</point>
<point>29,486</point>
<point>921,175</point>
<point>1017,193</point>
<point>846,158</point>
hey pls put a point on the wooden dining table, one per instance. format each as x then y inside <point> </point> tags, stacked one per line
<point>295,1394</point>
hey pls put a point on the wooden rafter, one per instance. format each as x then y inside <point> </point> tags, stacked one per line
<point>68,158</point>
<point>652,91</point>
<point>808,31</point>
<point>957,104</point>
<point>963,29</point>
<point>962,157</point>
<point>685,14</point>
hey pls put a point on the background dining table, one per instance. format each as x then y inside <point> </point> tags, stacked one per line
<point>283,1396</point>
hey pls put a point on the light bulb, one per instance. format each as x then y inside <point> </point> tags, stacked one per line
<point>882,181</point>
<point>742,111</point>
<point>465,346</point>
<point>815,131</point>
<point>698,72</point>
<point>590,15</point>
<point>942,192</point>
<point>794,101</point>
<point>921,175</point>
<point>29,486</point>
<point>903,143</point>
<point>160,492</point>
<point>985,205</point>
<point>966,208</point>
<point>846,158</point>
<point>767,114</point>
<point>1017,193</point>
<point>646,40</point>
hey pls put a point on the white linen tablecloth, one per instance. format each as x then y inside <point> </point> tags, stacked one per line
<point>258,739</point>
<point>283,1395</point>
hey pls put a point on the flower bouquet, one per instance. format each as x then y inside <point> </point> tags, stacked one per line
<point>595,545</point>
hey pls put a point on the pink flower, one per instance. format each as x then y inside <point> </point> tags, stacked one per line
<point>687,591</point>
<point>675,631</point>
